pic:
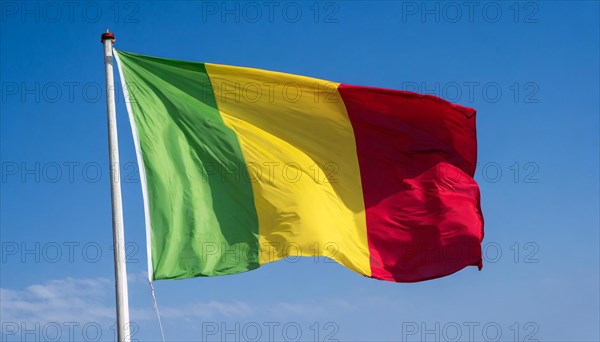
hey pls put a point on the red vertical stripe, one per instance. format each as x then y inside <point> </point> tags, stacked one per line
<point>417,157</point>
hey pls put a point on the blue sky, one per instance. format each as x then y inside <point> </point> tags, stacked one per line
<point>531,69</point>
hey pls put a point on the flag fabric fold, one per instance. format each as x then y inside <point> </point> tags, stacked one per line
<point>241,167</point>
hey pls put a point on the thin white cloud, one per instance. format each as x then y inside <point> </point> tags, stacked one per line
<point>206,310</point>
<point>138,277</point>
<point>311,309</point>
<point>64,300</point>
<point>91,300</point>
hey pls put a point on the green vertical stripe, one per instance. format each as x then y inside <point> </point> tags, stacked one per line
<point>202,212</point>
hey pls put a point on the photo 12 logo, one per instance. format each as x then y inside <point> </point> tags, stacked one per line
<point>250,12</point>
<point>36,12</point>
<point>269,331</point>
<point>469,331</point>
<point>53,252</point>
<point>470,92</point>
<point>51,331</point>
<point>66,172</point>
<point>452,12</point>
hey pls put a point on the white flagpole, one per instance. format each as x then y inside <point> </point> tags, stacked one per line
<point>123,332</point>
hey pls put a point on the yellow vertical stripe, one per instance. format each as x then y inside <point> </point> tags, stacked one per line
<point>300,150</point>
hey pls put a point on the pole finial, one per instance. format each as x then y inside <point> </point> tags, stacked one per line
<point>107,35</point>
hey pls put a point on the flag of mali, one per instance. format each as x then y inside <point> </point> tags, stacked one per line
<point>241,167</point>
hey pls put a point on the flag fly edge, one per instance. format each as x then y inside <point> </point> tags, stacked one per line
<point>141,168</point>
